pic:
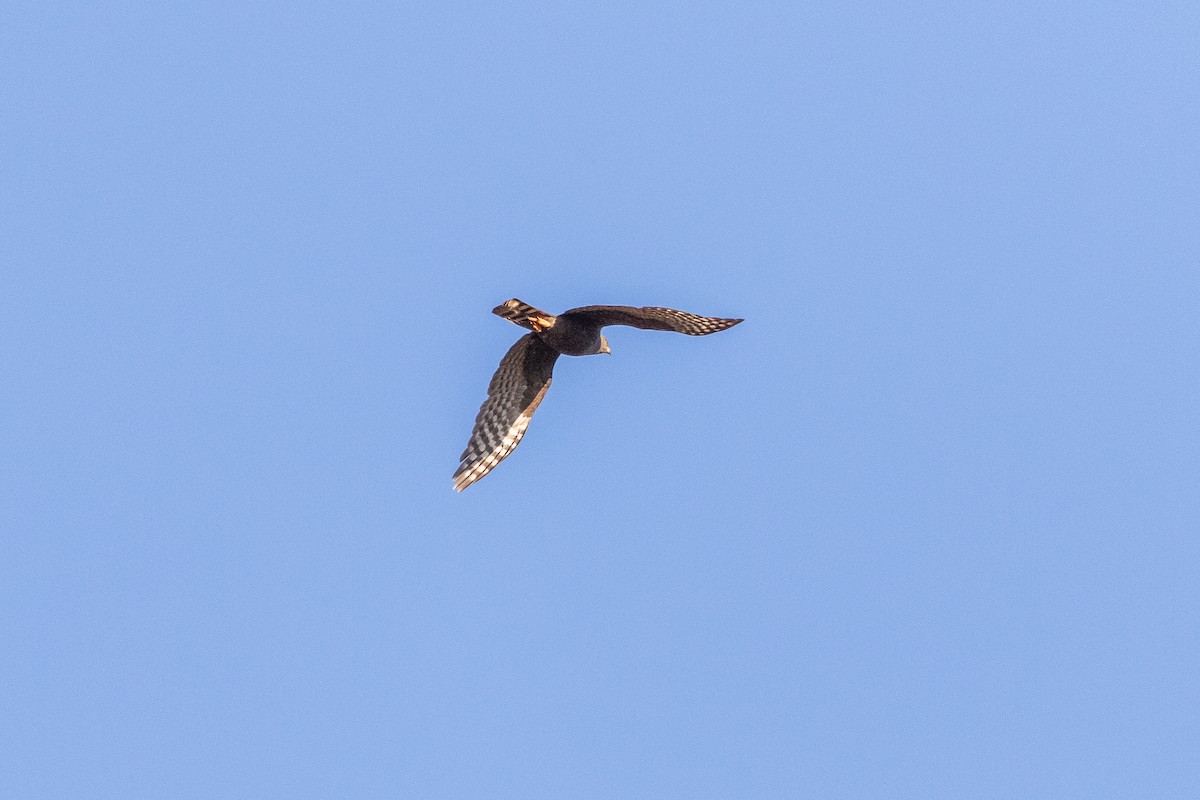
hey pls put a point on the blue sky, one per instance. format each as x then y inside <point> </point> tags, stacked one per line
<point>925,525</point>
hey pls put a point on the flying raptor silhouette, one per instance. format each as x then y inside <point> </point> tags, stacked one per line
<point>524,373</point>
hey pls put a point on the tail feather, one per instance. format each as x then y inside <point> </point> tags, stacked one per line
<point>524,315</point>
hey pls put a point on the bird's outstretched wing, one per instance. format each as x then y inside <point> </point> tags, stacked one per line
<point>516,389</point>
<point>651,318</point>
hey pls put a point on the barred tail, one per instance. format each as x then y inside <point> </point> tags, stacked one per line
<point>524,315</point>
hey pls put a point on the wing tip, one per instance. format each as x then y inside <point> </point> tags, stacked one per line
<point>464,477</point>
<point>715,325</point>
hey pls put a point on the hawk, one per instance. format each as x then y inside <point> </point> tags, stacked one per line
<point>523,377</point>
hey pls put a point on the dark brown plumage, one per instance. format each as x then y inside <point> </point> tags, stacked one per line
<point>524,373</point>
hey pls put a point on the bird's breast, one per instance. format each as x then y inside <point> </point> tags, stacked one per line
<point>571,339</point>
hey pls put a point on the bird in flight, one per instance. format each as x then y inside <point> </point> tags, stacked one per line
<point>523,376</point>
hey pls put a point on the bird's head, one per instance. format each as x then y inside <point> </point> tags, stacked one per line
<point>604,346</point>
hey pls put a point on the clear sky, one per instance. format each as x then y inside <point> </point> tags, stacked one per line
<point>926,525</point>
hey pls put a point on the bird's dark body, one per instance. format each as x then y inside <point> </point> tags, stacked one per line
<point>572,337</point>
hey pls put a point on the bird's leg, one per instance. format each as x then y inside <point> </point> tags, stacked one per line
<point>541,323</point>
